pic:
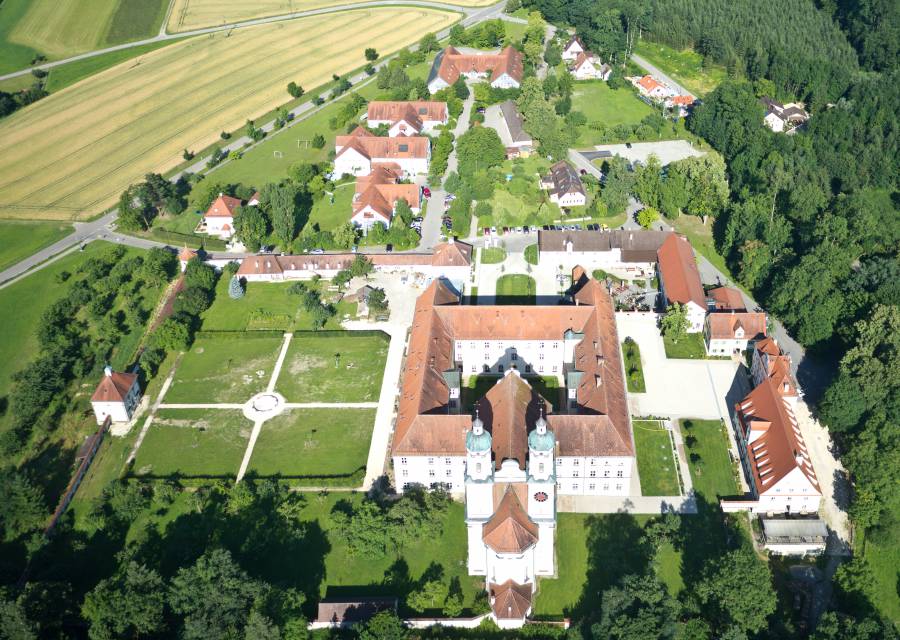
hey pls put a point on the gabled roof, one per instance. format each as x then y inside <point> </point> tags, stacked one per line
<point>779,367</point>
<point>393,111</point>
<point>725,326</point>
<point>510,530</point>
<point>514,121</point>
<point>379,148</point>
<point>380,190</point>
<point>726,299</point>
<point>345,611</point>
<point>679,272</point>
<point>565,179</point>
<point>635,245</point>
<point>223,207</point>
<point>574,40</point>
<point>186,254</point>
<point>649,83</point>
<point>114,387</point>
<point>776,448</point>
<point>683,101</point>
<point>452,254</point>
<point>509,410</point>
<point>510,600</point>
<point>451,64</point>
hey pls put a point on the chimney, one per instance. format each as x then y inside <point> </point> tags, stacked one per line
<point>108,371</point>
<point>451,239</point>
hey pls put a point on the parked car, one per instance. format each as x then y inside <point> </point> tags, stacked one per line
<point>418,219</point>
<point>546,227</point>
<point>534,228</point>
<point>525,229</point>
<point>493,231</point>
<point>389,248</point>
<point>487,231</point>
<point>627,145</point>
<point>426,192</point>
<point>505,230</point>
<point>578,227</point>
<point>318,251</point>
<point>583,172</point>
<point>450,196</point>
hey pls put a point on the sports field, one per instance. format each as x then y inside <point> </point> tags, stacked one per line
<point>196,14</point>
<point>73,153</point>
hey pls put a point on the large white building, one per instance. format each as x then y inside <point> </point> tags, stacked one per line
<point>116,397</point>
<point>504,70</point>
<point>628,254</point>
<point>355,154</point>
<point>679,280</point>
<point>726,333</point>
<point>409,118</point>
<point>520,450</point>
<point>564,185</point>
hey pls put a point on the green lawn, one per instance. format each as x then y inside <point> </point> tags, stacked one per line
<point>655,459</point>
<point>493,255</point>
<point>605,106</point>
<point>707,445</point>
<point>701,239</point>
<point>689,346</point>
<point>315,443</point>
<point>476,387</point>
<point>266,306</point>
<point>194,443</point>
<point>686,67</point>
<point>343,367</point>
<point>531,254</point>
<point>520,201</point>
<point>328,214</point>
<point>225,369</point>
<point>18,240</point>
<point>881,548</point>
<point>516,288</point>
<point>633,369</point>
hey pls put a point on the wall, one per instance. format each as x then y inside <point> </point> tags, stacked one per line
<point>426,470</point>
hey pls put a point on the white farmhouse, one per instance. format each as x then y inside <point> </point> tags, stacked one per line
<point>564,185</point>
<point>573,48</point>
<point>504,70</point>
<point>355,154</point>
<point>219,218</point>
<point>409,118</point>
<point>728,333</point>
<point>587,66</point>
<point>679,280</point>
<point>116,397</point>
<point>377,195</point>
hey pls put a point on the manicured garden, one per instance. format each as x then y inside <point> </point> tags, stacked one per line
<point>226,368</point>
<point>194,443</point>
<point>655,459</point>
<point>342,366</point>
<point>516,288</point>
<point>531,253</point>
<point>493,255</point>
<point>313,446</point>
<point>686,67</point>
<point>518,200</point>
<point>707,446</point>
<point>634,371</point>
<point>18,240</point>
<point>690,346</point>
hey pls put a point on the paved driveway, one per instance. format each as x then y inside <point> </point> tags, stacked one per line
<point>666,150</point>
<point>679,388</point>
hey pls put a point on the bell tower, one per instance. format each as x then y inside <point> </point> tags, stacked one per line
<point>542,493</point>
<point>479,492</point>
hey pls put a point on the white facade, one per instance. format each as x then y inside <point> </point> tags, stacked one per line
<point>221,226</point>
<point>696,316</point>
<point>119,411</point>
<point>544,357</point>
<point>572,50</point>
<point>591,69</point>
<point>726,347</point>
<point>403,128</point>
<point>505,81</point>
<point>609,261</point>
<point>432,472</point>
<point>774,122</point>
<point>594,476</point>
<point>573,199</point>
<point>352,162</point>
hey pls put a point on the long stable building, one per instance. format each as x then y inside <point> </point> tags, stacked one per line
<point>519,449</point>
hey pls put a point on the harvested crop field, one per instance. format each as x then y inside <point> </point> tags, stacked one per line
<point>196,14</point>
<point>72,154</point>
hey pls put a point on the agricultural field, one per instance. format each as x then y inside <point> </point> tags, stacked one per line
<point>61,28</point>
<point>72,154</point>
<point>231,368</point>
<point>687,67</point>
<point>315,443</point>
<point>196,14</point>
<point>193,443</point>
<point>341,366</point>
<point>18,240</point>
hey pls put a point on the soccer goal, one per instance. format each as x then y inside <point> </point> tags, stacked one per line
<point>278,154</point>
<point>302,144</point>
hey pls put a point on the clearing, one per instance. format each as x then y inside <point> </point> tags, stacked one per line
<point>134,119</point>
<point>655,459</point>
<point>685,67</point>
<point>337,366</point>
<point>193,443</point>
<point>319,446</point>
<point>19,239</point>
<point>230,368</point>
<point>516,288</point>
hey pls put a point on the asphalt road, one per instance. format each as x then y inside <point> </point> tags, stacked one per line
<point>659,75</point>
<point>482,13</point>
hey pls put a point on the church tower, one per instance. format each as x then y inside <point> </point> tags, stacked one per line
<point>479,491</point>
<point>542,492</point>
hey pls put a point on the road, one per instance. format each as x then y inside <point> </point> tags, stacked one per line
<point>659,75</point>
<point>471,15</point>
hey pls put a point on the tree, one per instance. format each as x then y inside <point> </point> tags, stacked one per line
<point>378,304</point>
<point>192,301</point>
<point>384,625</point>
<point>661,530</point>
<point>674,323</point>
<point>647,216</point>
<point>294,89</point>
<point>199,274</point>
<point>260,627</point>
<point>235,288</point>
<point>738,588</point>
<point>403,212</point>
<point>126,605</point>
<point>429,596</point>
<point>22,506</point>
<point>619,181</point>
<point>213,596</point>
<point>429,43</point>
<point>341,279</point>
<point>640,608</point>
<point>250,226</point>
<point>648,183</point>
<point>14,623</point>
<point>345,235</point>
<point>282,210</point>
<point>479,148</point>
<point>172,335</point>
<point>361,266</point>
<point>371,54</point>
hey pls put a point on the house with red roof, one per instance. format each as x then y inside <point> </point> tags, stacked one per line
<point>573,48</point>
<point>219,218</point>
<point>679,280</point>
<point>504,70</point>
<point>358,152</point>
<point>377,195</point>
<point>407,118</point>
<point>652,88</point>
<point>587,66</point>
<point>116,397</point>
<point>729,333</point>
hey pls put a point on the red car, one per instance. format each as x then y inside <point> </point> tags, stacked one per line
<point>426,192</point>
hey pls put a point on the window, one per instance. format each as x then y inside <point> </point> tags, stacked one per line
<point>593,461</point>
<point>430,460</point>
<point>574,487</point>
<point>605,473</point>
<point>540,496</point>
<point>619,487</point>
<point>593,473</point>
<point>527,368</point>
<point>402,460</point>
<point>447,460</point>
<point>449,472</point>
<point>487,369</point>
<point>541,468</point>
<point>477,467</point>
<point>606,486</point>
<point>473,368</point>
<point>431,473</point>
<point>591,487</point>
<point>540,356</point>
<point>619,473</point>
<point>500,368</point>
<point>405,473</point>
<point>541,345</point>
<point>574,474</point>
<point>554,368</point>
<point>404,148</point>
<point>487,345</point>
<point>576,462</point>
<point>514,356</point>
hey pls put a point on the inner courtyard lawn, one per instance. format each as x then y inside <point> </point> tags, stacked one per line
<point>476,387</point>
<point>328,214</point>
<point>493,255</point>
<point>193,443</point>
<point>655,459</point>
<point>707,446</point>
<point>315,444</point>
<point>689,346</point>
<point>344,367</point>
<point>230,368</point>
<point>516,288</point>
<point>268,306</point>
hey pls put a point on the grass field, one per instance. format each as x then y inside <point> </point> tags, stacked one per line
<point>71,154</point>
<point>18,240</point>
<point>516,288</point>
<point>689,346</point>
<point>347,367</point>
<point>686,67</point>
<point>315,443</point>
<point>327,215</point>
<point>707,447</point>
<point>226,369</point>
<point>656,463</point>
<point>194,14</point>
<point>266,306</point>
<point>609,107</point>
<point>194,443</point>
<point>62,28</point>
<point>493,255</point>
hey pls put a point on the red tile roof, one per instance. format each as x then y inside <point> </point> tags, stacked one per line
<point>114,388</point>
<point>649,83</point>
<point>223,207</point>
<point>724,326</point>
<point>679,273</point>
<point>779,367</point>
<point>727,299</point>
<point>380,190</point>
<point>453,64</point>
<point>373,147</point>
<point>509,410</point>
<point>416,109</point>
<point>510,600</point>
<point>509,529</point>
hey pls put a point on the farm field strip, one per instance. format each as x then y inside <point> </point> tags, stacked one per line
<point>137,118</point>
<point>187,15</point>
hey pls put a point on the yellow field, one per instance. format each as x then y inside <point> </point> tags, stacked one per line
<point>196,14</point>
<point>71,154</point>
<point>64,27</point>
